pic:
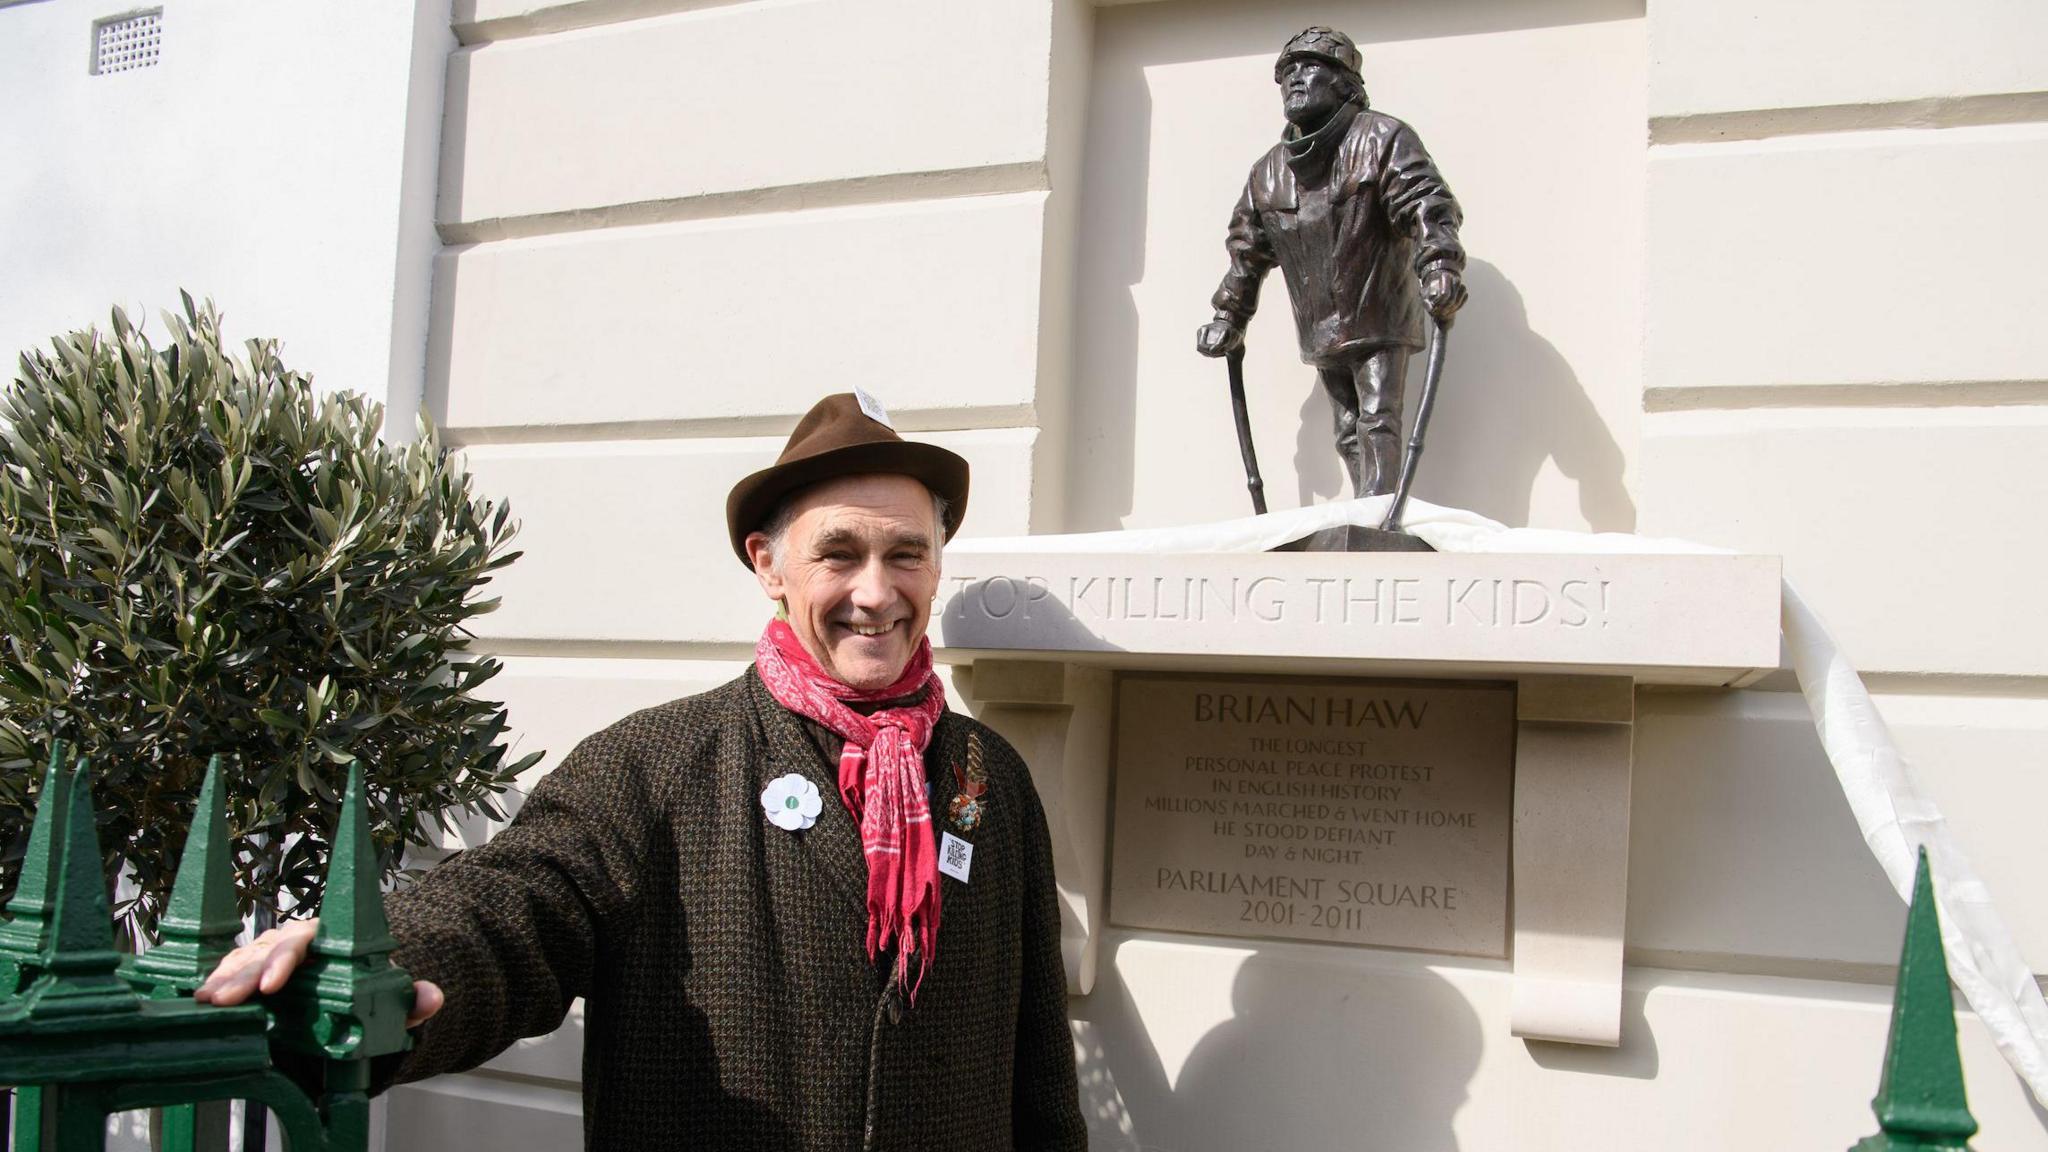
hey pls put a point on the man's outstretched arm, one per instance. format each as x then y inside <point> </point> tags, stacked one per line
<point>503,937</point>
<point>264,964</point>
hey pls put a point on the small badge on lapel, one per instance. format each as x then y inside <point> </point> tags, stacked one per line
<point>956,857</point>
<point>968,805</point>
<point>792,802</point>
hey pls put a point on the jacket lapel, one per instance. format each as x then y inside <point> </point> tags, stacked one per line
<point>946,750</point>
<point>833,843</point>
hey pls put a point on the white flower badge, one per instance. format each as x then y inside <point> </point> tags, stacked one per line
<point>791,802</point>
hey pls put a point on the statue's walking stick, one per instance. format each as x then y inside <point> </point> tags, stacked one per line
<point>1408,461</point>
<point>1244,431</point>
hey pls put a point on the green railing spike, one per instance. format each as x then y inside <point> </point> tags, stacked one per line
<point>201,922</point>
<point>347,1001</point>
<point>1920,1102</point>
<point>24,937</point>
<point>352,920</point>
<point>80,1044</point>
<point>81,970</point>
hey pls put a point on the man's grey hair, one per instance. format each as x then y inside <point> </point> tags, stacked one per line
<point>777,526</point>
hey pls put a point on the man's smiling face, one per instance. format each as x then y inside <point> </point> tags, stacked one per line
<point>856,570</point>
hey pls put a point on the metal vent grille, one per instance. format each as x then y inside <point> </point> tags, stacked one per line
<point>125,43</point>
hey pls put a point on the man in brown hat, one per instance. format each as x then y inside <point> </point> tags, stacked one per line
<point>1365,231</point>
<point>811,909</point>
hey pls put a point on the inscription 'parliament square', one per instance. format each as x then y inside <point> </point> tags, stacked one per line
<point>1354,811</point>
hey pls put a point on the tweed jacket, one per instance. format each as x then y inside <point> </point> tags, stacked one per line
<point>730,1002</point>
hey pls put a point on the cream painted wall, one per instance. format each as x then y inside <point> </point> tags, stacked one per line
<point>1533,112</point>
<point>1806,165</point>
<point>1878,386</point>
<point>279,159</point>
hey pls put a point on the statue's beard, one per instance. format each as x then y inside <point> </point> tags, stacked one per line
<point>1308,121</point>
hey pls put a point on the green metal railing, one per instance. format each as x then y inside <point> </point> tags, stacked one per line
<point>86,1032</point>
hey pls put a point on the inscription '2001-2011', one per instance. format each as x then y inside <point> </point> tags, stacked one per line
<point>1487,602</point>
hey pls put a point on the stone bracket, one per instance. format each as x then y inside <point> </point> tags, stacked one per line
<point>1058,717</point>
<point>1573,751</point>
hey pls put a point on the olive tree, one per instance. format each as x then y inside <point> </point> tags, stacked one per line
<point>201,555</point>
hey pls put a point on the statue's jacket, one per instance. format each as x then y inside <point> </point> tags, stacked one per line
<point>730,1000</point>
<point>1353,230</point>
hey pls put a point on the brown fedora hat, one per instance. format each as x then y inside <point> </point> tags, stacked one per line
<point>838,438</point>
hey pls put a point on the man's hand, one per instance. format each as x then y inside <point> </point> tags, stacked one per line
<point>1218,337</point>
<point>265,963</point>
<point>1443,293</point>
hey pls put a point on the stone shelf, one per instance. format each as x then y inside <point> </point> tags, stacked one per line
<point>1044,634</point>
<point>1696,620</point>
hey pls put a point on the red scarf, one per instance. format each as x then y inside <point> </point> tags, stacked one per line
<point>881,779</point>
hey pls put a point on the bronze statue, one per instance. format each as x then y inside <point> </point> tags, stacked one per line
<point>1354,212</point>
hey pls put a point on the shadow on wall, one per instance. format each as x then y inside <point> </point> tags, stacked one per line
<point>1314,1057</point>
<point>1002,613</point>
<point>1109,263</point>
<point>1510,399</point>
<point>1508,402</point>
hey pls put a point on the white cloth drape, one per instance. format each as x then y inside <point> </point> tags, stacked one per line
<point>1895,816</point>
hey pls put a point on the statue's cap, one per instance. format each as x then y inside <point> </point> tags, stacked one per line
<point>1322,44</point>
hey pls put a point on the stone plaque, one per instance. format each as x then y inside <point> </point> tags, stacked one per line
<point>1358,811</point>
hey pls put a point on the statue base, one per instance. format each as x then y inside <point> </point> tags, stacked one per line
<point>1352,538</point>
